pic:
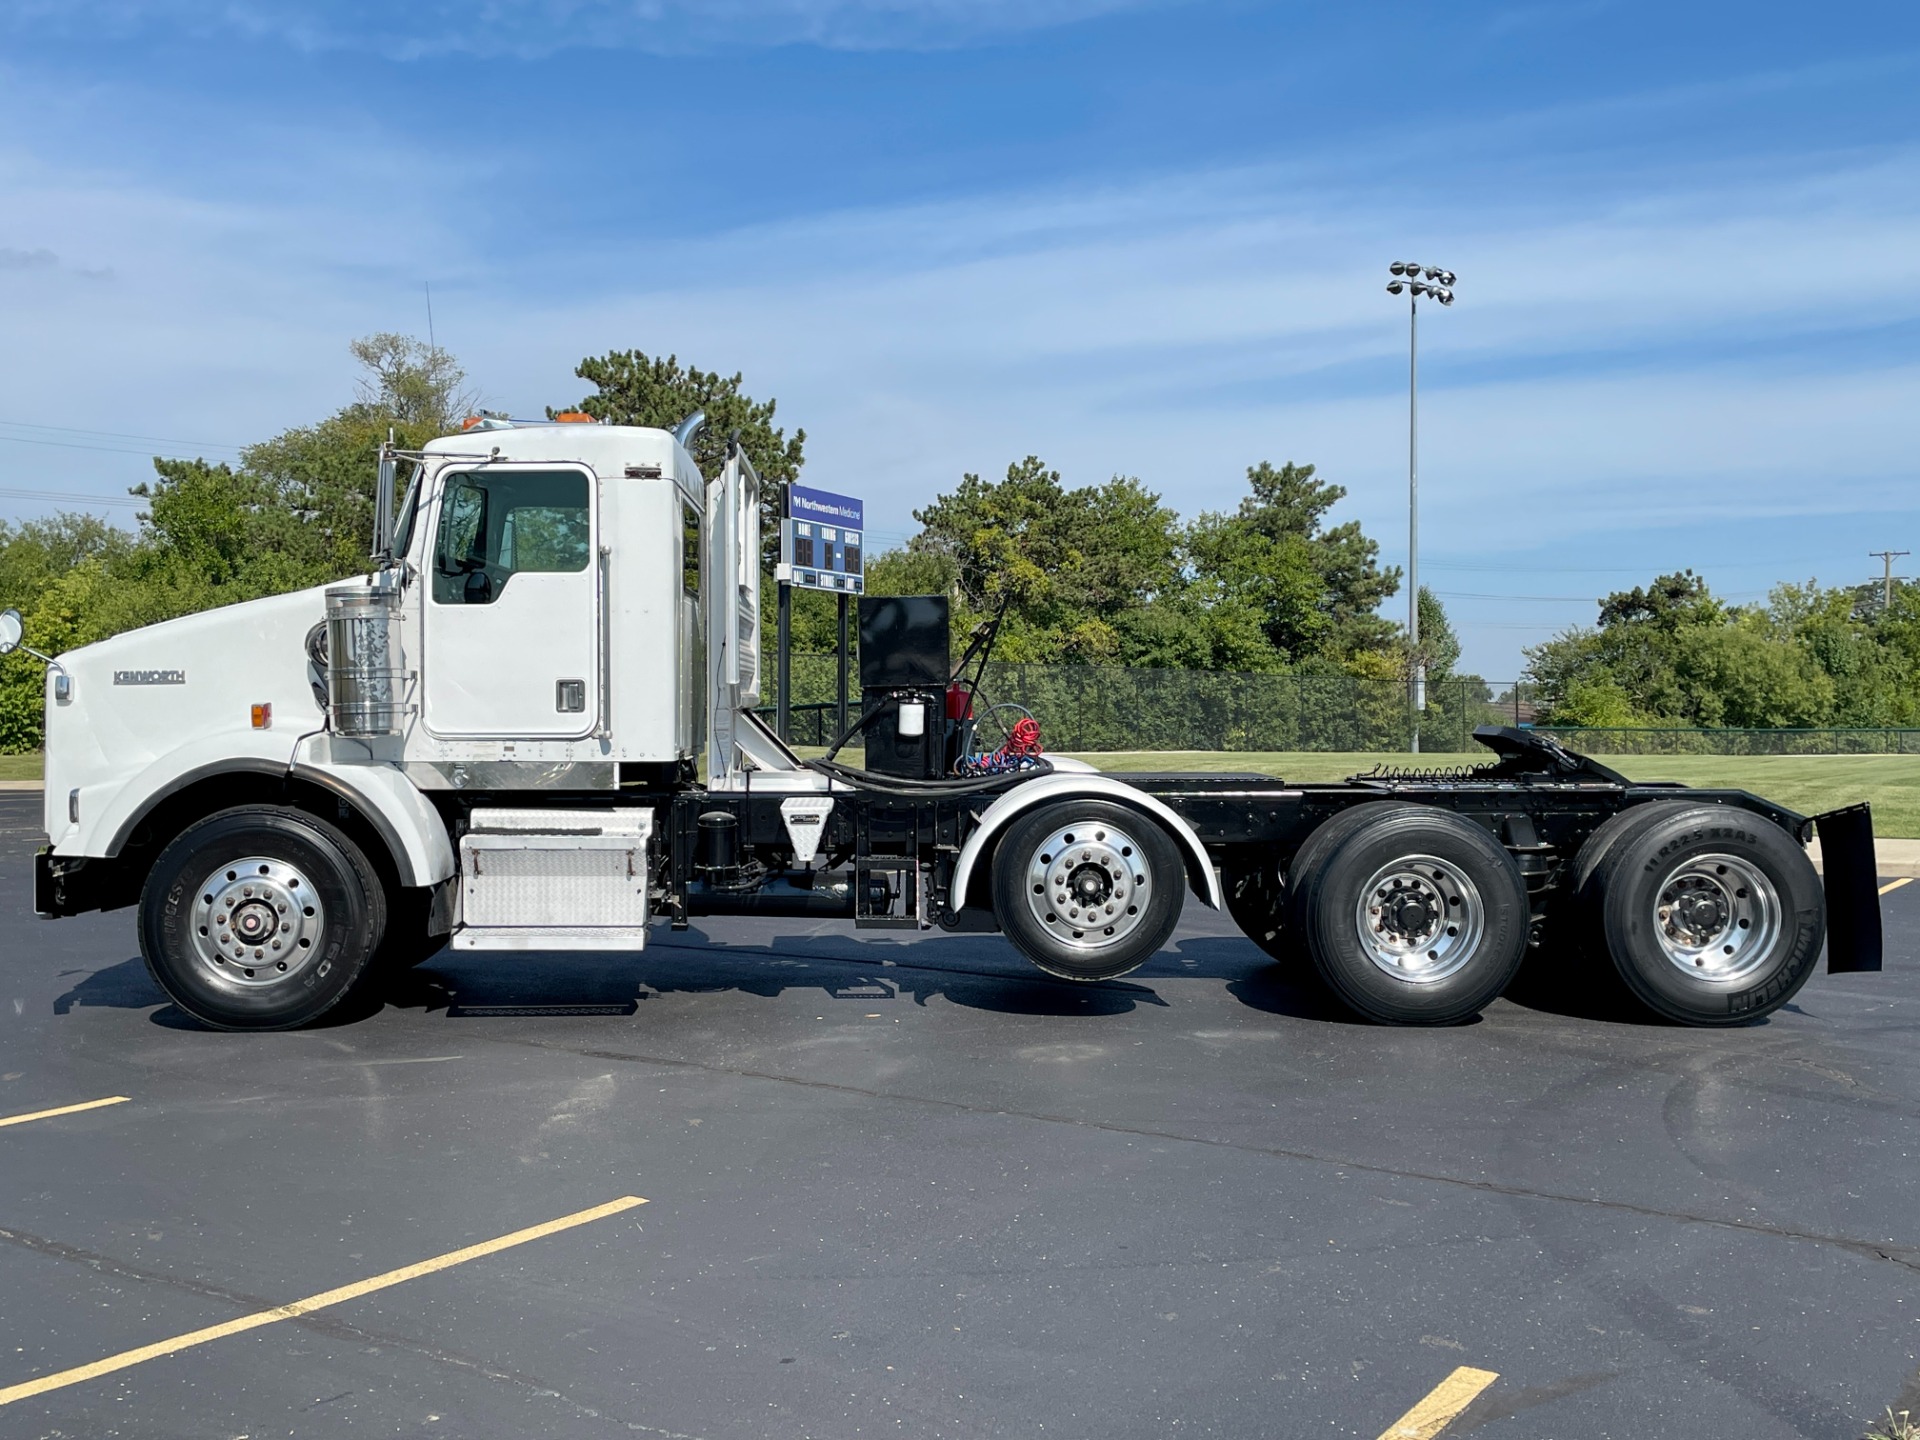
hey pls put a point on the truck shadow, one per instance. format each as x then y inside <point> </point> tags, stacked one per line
<point>977,972</point>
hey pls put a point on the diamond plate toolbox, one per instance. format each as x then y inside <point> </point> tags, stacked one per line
<point>552,874</point>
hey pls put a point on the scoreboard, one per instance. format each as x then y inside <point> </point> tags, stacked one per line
<point>820,542</point>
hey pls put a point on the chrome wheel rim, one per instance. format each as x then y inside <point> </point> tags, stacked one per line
<point>1717,917</point>
<point>1088,885</point>
<point>256,922</point>
<point>1420,918</point>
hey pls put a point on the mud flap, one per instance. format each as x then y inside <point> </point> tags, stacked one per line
<point>1852,878</point>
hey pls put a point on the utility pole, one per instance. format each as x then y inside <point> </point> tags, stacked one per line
<point>1438,284</point>
<point>1886,558</point>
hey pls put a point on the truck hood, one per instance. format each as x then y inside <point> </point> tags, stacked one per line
<point>143,694</point>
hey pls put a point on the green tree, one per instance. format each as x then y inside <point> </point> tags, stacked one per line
<point>1738,675</point>
<point>323,475</point>
<point>1439,646</point>
<point>633,388</point>
<point>1075,568</point>
<point>1636,646</point>
<point>1317,588</point>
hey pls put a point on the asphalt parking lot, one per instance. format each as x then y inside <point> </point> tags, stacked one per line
<point>905,1186</point>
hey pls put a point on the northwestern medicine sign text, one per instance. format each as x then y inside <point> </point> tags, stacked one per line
<point>825,506</point>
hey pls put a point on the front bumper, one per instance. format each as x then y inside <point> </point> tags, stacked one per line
<point>70,885</point>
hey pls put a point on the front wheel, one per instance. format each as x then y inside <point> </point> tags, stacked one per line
<point>260,918</point>
<point>1087,890</point>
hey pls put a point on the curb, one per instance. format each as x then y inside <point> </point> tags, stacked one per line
<point>22,785</point>
<point>1894,859</point>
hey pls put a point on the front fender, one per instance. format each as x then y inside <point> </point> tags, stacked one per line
<point>996,817</point>
<point>412,829</point>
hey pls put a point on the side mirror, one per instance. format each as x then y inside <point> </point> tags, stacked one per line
<point>11,629</point>
<point>383,502</point>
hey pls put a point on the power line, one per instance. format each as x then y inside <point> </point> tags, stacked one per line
<point>119,435</point>
<point>1569,599</point>
<point>69,496</point>
<point>77,445</point>
<point>1480,595</point>
<point>1616,569</point>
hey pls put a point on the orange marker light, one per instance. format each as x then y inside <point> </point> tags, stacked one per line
<point>263,717</point>
<point>573,417</point>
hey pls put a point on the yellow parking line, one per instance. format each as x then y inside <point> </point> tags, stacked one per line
<point>63,1110</point>
<point>1443,1402</point>
<point>127,1358</point>
<point>1896,884</point>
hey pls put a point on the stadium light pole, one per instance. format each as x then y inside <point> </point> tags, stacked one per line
<point>1415,281</point>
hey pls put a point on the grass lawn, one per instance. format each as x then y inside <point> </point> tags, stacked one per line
<point>20,767</point>
<point>1807,783</point>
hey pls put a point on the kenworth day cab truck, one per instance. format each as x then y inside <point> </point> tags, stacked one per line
<point>532,728</point>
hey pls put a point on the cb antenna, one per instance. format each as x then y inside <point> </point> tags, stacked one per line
<point>431,343</point>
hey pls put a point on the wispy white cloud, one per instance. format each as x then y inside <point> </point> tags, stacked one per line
<point>1635,359</point>
<point>438,28</point>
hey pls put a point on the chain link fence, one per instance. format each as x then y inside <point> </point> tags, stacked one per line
<point>1083,707</point>
<point>1653,740</point>
<point>1100,708</point>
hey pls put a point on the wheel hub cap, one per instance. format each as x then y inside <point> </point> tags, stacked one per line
<point>1717,917</point>
<point>1088,884</point>
<point>1420,918</point>
<point>256,921</point>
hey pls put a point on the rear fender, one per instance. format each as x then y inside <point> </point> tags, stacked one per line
<point>1022,798</point>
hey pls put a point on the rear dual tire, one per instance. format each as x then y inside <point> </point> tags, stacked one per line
<point>1710,915</point>
<point>1411,914</point>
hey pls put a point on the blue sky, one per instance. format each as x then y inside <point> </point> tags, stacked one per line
<point>1130,237</point>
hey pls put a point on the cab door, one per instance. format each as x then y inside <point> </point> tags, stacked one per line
<point>511,637</point>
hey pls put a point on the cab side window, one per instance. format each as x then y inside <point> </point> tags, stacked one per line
<point>506,523</point>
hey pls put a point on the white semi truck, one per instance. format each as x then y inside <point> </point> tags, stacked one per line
<point>532,728</point>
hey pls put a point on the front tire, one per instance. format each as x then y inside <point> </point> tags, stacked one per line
<point>1413,915</point>
<point>1087,890</point>
<point>260,918</point>
<point>1713,916</point>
